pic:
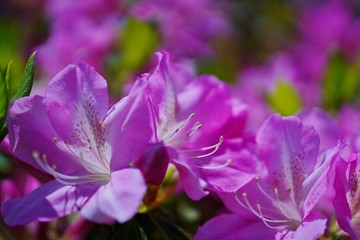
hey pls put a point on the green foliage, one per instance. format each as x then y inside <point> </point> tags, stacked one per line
<point>5,90</point>
<point>28,78</point>
<point>138,43</point>
<point>153,225</point>
<point>341,82</point>
<point>4,98</point>
<point>285,99</point>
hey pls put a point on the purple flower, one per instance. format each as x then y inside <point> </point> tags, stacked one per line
<point>186,26</point>
<point>346,201</point>
<point>191,117</point>
<point>83,31</point>
<point>88,149</point>
<point>293,178</point>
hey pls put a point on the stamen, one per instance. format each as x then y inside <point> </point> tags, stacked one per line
<point>68,179</point>
<point>276,191</point>
<point>261,189</point>
<point>186,121</point>
<point>214,149</point>
<point>196,127</point>
<point>211,167</point>
<point>103,167</point>
<point>266,221</point>
<point>247,206</point>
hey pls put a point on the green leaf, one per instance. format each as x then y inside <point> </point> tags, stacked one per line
<point>4,99</point>
<point>173,231</point>
<point>152,229</point>
<point>129,230</point>
<point>285,99</point>
<point>341,82</point>
<point>28,78</point>
<point>24,90</point>
<point>138,42</point>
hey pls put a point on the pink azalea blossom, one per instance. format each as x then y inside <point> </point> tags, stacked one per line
<point>293,178</point>
<point>83,31</point>
<point>346,201</point>
<point>88,149</point>
<point>186,26</point>
<point>200,124</point>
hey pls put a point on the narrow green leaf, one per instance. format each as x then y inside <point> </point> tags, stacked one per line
<point>173,231</point>
<point>285,99</point>
<point>7,73</point>
<point>28,78</point>
<point>129,230</point>
<point>152,229</point>
<point>4,99</point>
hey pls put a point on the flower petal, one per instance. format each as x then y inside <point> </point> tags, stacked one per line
<point>312,227</point>
<point>76,100</point>
<point>30,130</point>
<point>48,202</point>
<point>128,127</point>
<point>241,169</point>
<point>324,125</point>
<point>343,212</point>
<point>316,184</point>
<point>234,227</point>
<point>119,199</point>
<point>162,98</point>
<point>289,150</point>
<point>193,185</point>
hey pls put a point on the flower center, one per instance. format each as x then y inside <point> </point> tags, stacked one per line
<point>95,177</point>
<point>281,214</point>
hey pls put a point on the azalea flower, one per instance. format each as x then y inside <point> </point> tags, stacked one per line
<point>293,178</point>
<point>346,201</point>
<point>88,149</point>
<point>79,31</point>
<point>186,26</point>
<point>191,117</point>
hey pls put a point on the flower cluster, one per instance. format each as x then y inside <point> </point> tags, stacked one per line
<point>275,154</point>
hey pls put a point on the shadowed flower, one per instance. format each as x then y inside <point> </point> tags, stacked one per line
<point>347,199</point>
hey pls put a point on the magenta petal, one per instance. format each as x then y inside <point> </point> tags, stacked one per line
<point>316,184</point>
<point>343,212</point>
<point>324,125</point>
<point>91,211</point>
<point>119,199</point>
<point>48,202</point>
<point>192,184</point>
<point>30,130</point>
<point>128,127</point>
<point>241,169</point>
<point>80,94</point>
<point>162,98</point>
<point>154,163</point>
<point>213,105</point>
<point>289,150</point>
<point>234,227</point>
<point>312,227</point>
